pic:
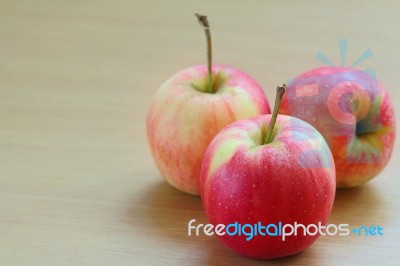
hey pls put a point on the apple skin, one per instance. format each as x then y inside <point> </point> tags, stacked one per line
<point>361,137</point>
<point>291,179</point>
<point>182,120</point>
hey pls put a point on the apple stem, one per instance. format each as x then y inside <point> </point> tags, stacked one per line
<point>280,91</point>
<point>206,26</point>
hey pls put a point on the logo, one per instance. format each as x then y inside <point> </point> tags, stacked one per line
<point>249,231</point>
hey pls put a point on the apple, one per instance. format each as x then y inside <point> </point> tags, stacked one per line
<point>353,112</point>
<point>282,174</point>
<point>190,108</point>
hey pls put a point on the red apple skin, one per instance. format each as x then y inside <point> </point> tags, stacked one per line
<point>361,139</point>
<point>182,120</point>
<point>291,179</point>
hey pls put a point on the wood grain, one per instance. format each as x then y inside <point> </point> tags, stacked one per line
<point>77,183</point>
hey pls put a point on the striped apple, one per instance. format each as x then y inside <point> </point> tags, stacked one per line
<point>353,111</point>
<point>190,108</point>
<point>250,176</point>
<point>184,117</point>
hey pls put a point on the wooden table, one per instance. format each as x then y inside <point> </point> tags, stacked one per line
<point>78,185</point>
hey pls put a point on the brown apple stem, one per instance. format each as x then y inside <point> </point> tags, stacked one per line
<point>280,91</point>
<point>204,23</point>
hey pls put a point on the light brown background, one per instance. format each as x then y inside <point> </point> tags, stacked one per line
<point>77,182</point>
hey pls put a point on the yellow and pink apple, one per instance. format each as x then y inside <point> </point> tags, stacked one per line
<point>353,112</point>
<point>283,174</point>
<point>190,108</point>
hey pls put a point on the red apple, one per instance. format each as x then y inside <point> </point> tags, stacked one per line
<point>251,175</point>
<point>353,112</point>
<point>190,108</point>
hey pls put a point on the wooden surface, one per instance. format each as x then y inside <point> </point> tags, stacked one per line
<point>77,183</point>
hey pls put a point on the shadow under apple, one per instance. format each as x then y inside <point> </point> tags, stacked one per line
<point>163,210</point>
<point>219,254</point>
<point>363,205</point>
